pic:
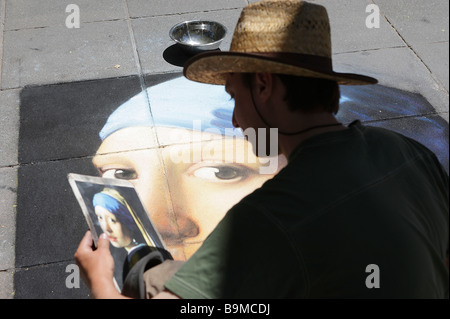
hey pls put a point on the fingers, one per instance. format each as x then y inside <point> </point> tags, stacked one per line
<point>103,242</point>
<point>86,242</point>
<point>86,246</point>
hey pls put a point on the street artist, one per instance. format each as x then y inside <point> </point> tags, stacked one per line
<point>351,198</point>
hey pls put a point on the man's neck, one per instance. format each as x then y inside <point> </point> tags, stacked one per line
<point>308,125</point>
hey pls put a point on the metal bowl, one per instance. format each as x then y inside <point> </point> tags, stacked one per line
<point>198,36</point>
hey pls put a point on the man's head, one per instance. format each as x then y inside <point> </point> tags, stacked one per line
<point>290,37</point>
<point>280,64</point>
<point>266,101</point>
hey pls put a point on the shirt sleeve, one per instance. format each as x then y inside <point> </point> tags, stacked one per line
<point>248,255</point>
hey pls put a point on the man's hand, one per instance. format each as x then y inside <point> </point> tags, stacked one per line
<point>97,267</point>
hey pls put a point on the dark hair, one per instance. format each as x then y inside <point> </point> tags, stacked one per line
<point>307,94</point>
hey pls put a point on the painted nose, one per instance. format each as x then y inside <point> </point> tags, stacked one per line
<point>174,224</point>
<point>104,225</point>
<point>187,227</point>
<point>108,228</point>
<point>167,213</point>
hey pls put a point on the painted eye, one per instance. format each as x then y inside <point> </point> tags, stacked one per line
<point>112,220</point>
<point>127,174</point>
<point>220,173</point>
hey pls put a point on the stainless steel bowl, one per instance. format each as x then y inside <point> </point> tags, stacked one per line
<point>198,35</point>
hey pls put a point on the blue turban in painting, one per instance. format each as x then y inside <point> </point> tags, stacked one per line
<point>176,103</point>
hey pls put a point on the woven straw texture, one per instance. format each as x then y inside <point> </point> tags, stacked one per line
<point>283,26</point>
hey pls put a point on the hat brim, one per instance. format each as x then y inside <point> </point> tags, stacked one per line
<point>212,68</point>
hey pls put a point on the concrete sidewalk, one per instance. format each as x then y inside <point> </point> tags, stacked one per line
<point>119,44</point>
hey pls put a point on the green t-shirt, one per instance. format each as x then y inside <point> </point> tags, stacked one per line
<point>359,213</point>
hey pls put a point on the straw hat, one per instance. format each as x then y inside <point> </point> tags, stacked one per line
<point>275,36</point>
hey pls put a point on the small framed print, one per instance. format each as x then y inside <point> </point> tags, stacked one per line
<point>113,207</point>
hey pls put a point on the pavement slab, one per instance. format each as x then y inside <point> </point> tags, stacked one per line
<point>24,14</point>
<point>59,54</point>
<point>144,8</point>
<point>65,119</point>
<point>417,21</point>
<point>9,127</point>
<point>349,32</point>
<point>399,68</point>
<point>8,191</point>
<point>8,209</point>
<point>435,57</point>
<point>47,223</point>
<point>49,281</point>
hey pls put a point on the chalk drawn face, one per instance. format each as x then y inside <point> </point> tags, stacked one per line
<point>185,199</point>
<point>118,235</point>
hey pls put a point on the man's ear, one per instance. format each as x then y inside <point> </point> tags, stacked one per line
<point>264,85</point>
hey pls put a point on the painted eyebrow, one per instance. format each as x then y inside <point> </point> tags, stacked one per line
<point>101,160</point>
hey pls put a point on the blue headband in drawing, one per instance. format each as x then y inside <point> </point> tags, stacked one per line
<point>177,103</point>
<point>122,213</point>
